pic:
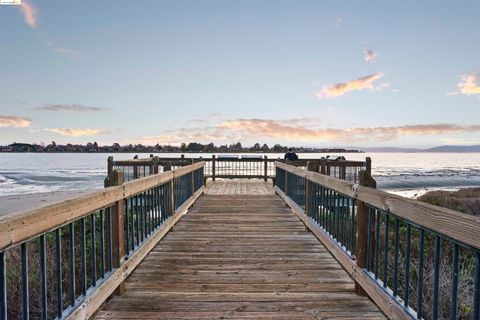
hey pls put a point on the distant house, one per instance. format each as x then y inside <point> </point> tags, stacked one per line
<point>6,149</point>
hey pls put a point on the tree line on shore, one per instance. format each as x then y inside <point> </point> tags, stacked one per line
<point>184,147</point>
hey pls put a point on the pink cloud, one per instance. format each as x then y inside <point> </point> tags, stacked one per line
<point>339,89</point>
<point>30,13</point>
<point>70,132</point>
<point>17,122</point>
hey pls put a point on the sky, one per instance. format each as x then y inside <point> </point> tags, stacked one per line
<point>310,73</point>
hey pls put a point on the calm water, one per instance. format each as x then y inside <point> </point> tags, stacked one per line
<point>408,174</point>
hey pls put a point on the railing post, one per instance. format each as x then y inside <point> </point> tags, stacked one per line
<point>109,165</point>
<point>193,182</point>
<point>155,165</point>
<point>213,167</point>
<point>118,227</point>
<point>265,168</point>
<point>167,166</point>
<point>368,165</point>
<point>323,166</point>
<point>361,226</point>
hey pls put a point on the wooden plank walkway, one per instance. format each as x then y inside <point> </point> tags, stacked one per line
<point>240,186</point>
<point>239,257</point>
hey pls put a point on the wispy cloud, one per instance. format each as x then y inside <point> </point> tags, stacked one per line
<point>17,122</point>
<point>70,107</point>
<point>339,89</point>
<point>470,84</point>
<point>295,130</point>
<point>30,13</point>
<point>70,132</point>
<point>69,52</point>
<point>279,130</point>
<point>370,56</point>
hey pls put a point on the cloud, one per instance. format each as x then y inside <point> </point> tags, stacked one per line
<point>30,13</point>
<point>339,89</point>
<point>17,122</point>
<point>370,56</point>
<point>70,107</point>
<point>76,132</point>
<point>278,130</point>
<point>294,130</point>
<point>69,52</point>
<point>470,84</point>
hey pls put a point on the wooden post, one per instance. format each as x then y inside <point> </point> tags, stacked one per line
<point>155,165</point>
<point>213,167</point>
<point>368,164</point>
<point>265,168</point>
<point>361,226</point>
<point>167,166</point>
<point>109,165</point>
<point>118,227</point>
<point>323,165</point>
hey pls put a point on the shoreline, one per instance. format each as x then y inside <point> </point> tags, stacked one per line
<point>29,201</point>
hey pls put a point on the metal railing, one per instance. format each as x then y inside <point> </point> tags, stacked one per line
<point>54,259</point>
<point>229,167</point>
<point>413,259</point>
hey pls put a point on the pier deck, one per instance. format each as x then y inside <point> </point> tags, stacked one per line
<point>239,255</point>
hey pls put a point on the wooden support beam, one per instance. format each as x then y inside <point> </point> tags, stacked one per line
<point>118,228</point>
<point>361,227</point>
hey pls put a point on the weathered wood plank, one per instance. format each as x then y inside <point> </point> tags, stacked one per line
<point>250,260</point>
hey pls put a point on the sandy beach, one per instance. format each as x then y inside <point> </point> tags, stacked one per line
<point>29,201</point>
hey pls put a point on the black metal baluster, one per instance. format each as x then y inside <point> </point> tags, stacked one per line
<point>407,267</point>
<point>137,222</point>
<point>420,274</point>
<point>385,251</point>
<point>84,256</point>
<point>43,279</point>
<point>109,237</point>
<point>93,250</point>
<point>436,278</point>
<point>395,257</point>
<point>453,311</point>
<point>71,253</point>
<point>58,262</point>
<point>128,207</point>
<point>25,294</point>
<point>369,243</point>
<point>102,243</point>
<point>377,243</point>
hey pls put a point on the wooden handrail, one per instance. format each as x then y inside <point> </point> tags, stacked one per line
<point>18,227</point>
<point>452,224</point>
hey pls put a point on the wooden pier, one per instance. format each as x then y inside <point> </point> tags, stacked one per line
<point>239,255</point>
<point>176,245</point>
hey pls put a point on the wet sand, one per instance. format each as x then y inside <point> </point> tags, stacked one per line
<point>29,201</point>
